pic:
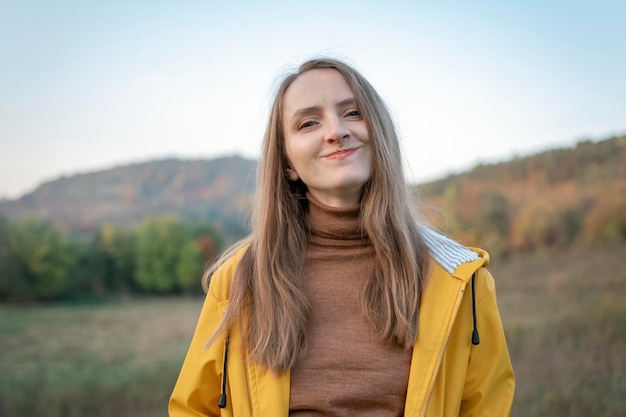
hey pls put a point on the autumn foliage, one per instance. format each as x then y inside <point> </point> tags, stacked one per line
<point>152,228</point>
<point>557,198</point>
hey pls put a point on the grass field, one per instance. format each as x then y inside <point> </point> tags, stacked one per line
<point>116,359</point>
<point>564,314</point>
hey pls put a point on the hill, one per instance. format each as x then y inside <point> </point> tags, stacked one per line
<point>153,227</point>
<point>553,198</point>
<point>217,191</point>
<point>550,198</point>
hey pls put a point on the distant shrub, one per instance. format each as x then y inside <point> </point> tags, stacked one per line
<point>607,219</point>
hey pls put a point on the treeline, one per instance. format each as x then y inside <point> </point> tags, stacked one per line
<point>556,198</point>
<point>216,191</point>
<point>497,223</point>
<point>164,255</point>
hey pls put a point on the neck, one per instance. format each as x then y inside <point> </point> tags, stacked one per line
<point>343,199</point>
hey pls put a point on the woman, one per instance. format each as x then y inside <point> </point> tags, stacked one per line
<point>340,303</point>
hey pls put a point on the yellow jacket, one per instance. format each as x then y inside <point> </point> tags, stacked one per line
<point>449,375</point>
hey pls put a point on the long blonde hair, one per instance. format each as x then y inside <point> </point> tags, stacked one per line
<point>267,296</point>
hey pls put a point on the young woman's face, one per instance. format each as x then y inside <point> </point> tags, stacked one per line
<point>326,138</point>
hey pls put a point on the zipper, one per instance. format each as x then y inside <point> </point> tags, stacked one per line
<point>245,367</point>
<point>442,351</point>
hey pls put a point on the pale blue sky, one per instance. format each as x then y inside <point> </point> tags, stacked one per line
<point>87,85</point>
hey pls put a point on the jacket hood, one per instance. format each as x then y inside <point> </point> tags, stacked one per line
<point>458,261</point>
<point>454,258</point>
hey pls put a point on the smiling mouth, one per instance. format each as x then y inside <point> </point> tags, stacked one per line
<point>341,154</point>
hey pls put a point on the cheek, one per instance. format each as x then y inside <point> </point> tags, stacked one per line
<point>296,151</point>
<point>288,151</point>
<point>293,155</point>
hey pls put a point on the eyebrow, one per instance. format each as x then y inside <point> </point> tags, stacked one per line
<point>313,109</point>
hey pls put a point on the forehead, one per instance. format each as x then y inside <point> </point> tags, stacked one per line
<point>316,87</point>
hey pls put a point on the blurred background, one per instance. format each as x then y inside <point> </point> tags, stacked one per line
<point>129,133</point>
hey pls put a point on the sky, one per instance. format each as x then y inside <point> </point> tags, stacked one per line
<point>89,85</point>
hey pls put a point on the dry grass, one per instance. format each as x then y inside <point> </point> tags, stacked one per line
<point>99,360</point>
<point>564,313</point>
<point>565,317</point>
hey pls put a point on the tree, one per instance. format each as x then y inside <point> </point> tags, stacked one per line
<point>606,221</point>
<point>111,265</point>
<point>159,243</point>
<point>493,222</point>
<point>13,282</point>
<point>189,267</point>
<point>45,261</point>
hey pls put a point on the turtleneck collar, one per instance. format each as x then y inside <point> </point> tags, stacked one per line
<point>334,226</point>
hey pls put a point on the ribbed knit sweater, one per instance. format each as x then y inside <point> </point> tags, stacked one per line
<point>347,370</point>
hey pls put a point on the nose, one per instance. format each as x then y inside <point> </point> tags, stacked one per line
<point>336,129</point>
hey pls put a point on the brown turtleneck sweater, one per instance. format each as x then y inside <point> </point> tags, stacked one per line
<point>347,370</point>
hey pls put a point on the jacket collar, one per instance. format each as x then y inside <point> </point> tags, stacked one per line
<point>454,258</point>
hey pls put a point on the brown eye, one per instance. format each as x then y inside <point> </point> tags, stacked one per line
<point>306,125</point>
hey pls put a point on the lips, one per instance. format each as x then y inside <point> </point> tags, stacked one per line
<point>341,154</point>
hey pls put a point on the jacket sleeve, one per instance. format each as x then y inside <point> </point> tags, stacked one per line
<point>490,383</point>
<point>197,389</point>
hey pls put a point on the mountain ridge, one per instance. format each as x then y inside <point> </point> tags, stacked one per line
<point>219,191</point>
<point>214,190</point>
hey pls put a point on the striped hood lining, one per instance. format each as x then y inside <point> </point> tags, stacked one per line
<point>450,255</point>
<point>445,251</point>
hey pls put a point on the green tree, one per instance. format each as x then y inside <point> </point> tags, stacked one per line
<point>112,261</point>
<point>159,243</point>
<point>44,265</point>
<point>204,247</point>
<point>189,267</point>
<point>13,281</point>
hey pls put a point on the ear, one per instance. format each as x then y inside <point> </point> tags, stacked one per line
<point>292,174</point>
